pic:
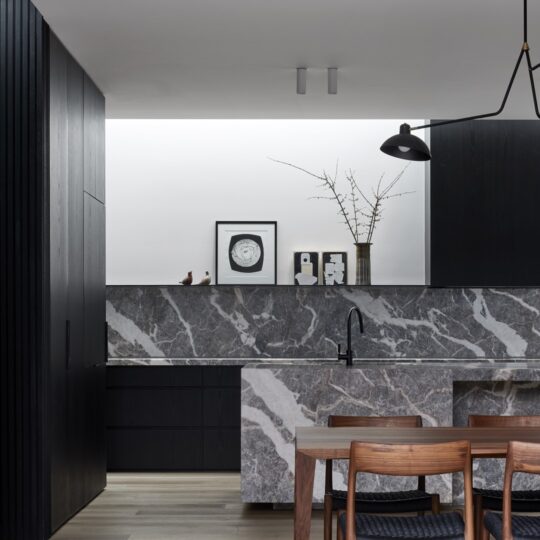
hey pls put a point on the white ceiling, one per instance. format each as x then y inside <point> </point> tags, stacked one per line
<point>237,58</point>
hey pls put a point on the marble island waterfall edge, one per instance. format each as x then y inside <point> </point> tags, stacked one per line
<point>278,398</point>
<point>309,322</point>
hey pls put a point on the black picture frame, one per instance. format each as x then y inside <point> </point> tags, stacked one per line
<point>265,249</point>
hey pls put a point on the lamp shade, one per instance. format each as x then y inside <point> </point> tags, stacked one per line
<point>406,146</point>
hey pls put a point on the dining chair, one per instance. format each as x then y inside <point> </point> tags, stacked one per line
<point>417,500</point>
<point>521,457</point>
<point>408,460</point>
<point>492,499</point>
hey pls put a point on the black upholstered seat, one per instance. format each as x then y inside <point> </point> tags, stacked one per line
<point>385,502</point>
<point>448,526</point>
<point>523,527</point>
<point>522,501</point>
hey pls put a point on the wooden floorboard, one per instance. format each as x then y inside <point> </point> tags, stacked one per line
<point>205,506</point>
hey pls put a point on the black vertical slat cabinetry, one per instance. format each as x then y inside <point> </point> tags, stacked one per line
<point>77,240</point>
<point>173,418</point>
<point>24,271</point>
<point>52,444</point>
<point>484,194</point>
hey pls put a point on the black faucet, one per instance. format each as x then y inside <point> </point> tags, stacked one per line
<point>348,355</point>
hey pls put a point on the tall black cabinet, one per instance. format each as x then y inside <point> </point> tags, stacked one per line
<point>77,277</point>
<point>483,204</point>
<point>52,279</point>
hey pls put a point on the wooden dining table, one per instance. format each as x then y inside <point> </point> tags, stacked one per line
<point>313,443</point>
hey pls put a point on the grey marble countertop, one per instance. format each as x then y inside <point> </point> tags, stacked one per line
<point>150,362</point>
<point>467,363</point>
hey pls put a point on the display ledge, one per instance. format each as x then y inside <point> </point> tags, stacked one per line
<point>467,363</point>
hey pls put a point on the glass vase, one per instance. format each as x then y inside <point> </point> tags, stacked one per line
<point>363,263</point>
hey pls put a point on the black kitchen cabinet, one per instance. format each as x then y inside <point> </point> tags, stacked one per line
<point>94,141</point>
<point>77,294</point>
<point>173,418</point>
<point>52,284</point>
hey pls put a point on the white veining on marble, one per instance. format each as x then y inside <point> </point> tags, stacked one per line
<point>268,427</point>
<point>517,299</point>
<point>238,322</point>
<point>515,345</point>
<point>380,311</point>
<point>185,323</point>
<point>130,332</point>
<point>277,397</point>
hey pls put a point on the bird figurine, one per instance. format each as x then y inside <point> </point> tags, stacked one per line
<point>188,280</point>
<point>206,279</point>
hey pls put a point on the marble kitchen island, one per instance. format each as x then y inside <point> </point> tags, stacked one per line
<point>278,396</point>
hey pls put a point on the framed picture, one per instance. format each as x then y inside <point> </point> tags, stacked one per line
<point>335,267</point>
<point>246,252</point>
<point>306,268</point>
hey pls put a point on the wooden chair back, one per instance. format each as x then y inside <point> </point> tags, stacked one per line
<point>370,421</point>
<point>478,420</point>
<point>521,457</point>
<point>410,460</point>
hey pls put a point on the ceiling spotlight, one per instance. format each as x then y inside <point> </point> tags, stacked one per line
<point>301,74</point>
<point>332,80</point>
<point>407,146</point>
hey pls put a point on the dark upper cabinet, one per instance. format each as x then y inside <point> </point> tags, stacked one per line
<point>94,140</point>
<point>484,194</point>
<point>77,299</point>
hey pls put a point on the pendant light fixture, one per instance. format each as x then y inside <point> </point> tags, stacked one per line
<point>408,146</point>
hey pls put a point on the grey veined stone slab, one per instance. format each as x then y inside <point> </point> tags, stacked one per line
<point>309,322</point>
<point>278,398</point>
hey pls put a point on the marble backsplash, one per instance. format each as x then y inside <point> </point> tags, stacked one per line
<point>309,322</point>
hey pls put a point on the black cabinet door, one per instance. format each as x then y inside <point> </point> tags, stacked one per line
<point>60,458</point>
<point>94,140</point>
<point>77,273</point>
<point>75,367</point>
<point>94,345</point>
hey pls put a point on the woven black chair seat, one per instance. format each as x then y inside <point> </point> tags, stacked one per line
<point>443,527</point>
<point>523,527</point>
<point>383,502</point>
<point>522,501</point>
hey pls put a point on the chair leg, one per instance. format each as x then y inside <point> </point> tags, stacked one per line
<point>435,504</point>
<point>339,534</point>
<point>478,517</point>
<point>328,514</point>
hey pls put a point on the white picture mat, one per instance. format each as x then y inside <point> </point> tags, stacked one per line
<point>228,276</point>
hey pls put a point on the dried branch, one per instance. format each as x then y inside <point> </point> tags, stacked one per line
<point>353,215</point>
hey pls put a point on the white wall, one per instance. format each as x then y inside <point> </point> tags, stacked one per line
<point>168,181</point>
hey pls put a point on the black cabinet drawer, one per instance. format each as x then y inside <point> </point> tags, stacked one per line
<point>222,449</point>
<point>173,418</point>
<point>154,450</point>
<point>221,407</point>
<point>154,407</point>
<point>154,376</point>
<point>222,376</point>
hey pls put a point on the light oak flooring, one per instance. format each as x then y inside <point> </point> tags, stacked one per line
<point>201,506</point>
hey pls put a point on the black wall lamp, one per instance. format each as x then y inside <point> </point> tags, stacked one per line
<point>405,145</point>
